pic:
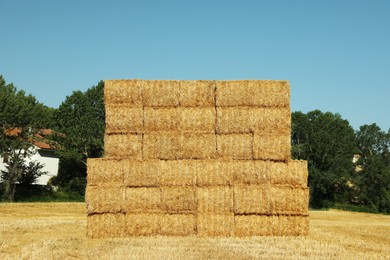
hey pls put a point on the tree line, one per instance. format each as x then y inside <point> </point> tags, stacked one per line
<point>324,139</point>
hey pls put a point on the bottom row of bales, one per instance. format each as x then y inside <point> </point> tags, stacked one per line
<point>240,199</point>
<point>122,225</point>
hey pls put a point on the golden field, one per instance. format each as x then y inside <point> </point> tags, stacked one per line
<point>58,231</point>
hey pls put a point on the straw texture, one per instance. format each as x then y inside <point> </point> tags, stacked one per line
<point>106,225</point>
<point>147,200</point>
<point>218,199</point>
<point>161,93</point>
<point>262,225</point>
<point>142,224</point>
<point>253,120</point>
<point>179,199</point>
<point>214,173</point>
<point>123,119</point>
<point>197,93</point>
<point>235,146</point>
<point>272,147</point>
<point>261,93</point>
<point>293,173</point>
<point>171,145</point>
<point>127,92</point>
<point>104,199</point>
<point>141,173</point>
<point>178,224</point>
<point>178,173</point>
<point>215,225</point>
<point>104,171</point>
<point>268,200</point>
<point>123,146</point>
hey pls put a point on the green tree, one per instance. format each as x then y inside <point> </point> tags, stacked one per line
<point>21,116</point>
<point>327,142</point>
<point>81,121</point>
<point>374,179</point>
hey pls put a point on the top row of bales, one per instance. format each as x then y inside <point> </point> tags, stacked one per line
<point>199,93</point>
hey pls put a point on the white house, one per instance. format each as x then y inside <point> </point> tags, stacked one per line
<point>43,153</point>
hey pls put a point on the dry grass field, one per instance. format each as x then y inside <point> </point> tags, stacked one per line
<point>58,231</point>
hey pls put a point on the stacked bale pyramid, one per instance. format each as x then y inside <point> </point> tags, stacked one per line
<point>205,158</point>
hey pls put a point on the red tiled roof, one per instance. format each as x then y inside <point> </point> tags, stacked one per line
<point>39,139</point>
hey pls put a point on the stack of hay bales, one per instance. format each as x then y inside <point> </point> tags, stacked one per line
<point>206,158</point>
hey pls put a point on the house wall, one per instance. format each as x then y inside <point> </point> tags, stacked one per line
<point>46,157</point>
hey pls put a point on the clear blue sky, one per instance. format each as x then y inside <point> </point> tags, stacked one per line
<point>336,54</point>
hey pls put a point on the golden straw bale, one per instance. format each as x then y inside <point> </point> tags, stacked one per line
<point>104,198</point>
<point>266,199</point>
<point>178,172</point>
<point>178,224</point>
<point>179,199</point>
<point>197,93</point>
<point>123,119</point>
<point>272,147</point>
<point>235,146</point>
<point>263,225</point>
<point>293,173</point>
<point>159,145</point>
<point>217,199</point>
<point>146,200</point>
<point>214,225</point>
<point>161,119</point>
<point>141,173</point>
<point>197,146</point>
<point>104,171</point>
<point>214,173</point>
<point>197,119</point>
<point>106,225</point>
<point>161,93</point>
<point>123,146</point>
<point>262,93</point>
<point>173,145</point>
<point>188,119</point>
<point>253,120</point>
<point>142,224</point>
<point>128,92</point>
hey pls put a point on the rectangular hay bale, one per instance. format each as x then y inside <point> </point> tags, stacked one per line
<point>214,225</point>
<point>142,224</point>
<point>272,147</point>
<point>106,225</point>
<point>104,171</point>
<point>263,225</point>
<point>179,119</point>
<point>231,120</point>
<point>127,92</point>
<point>218,199</point>
<point>261,93</point>
<point>178,224</point>
<point>214,173</point>
<point>141,173</point>
<point>197,93</point>
<point>173,145</point>
<point>146,200</point>
<point>266,199</point>
<point>178,172</point>
<point>235,146</point>
<point>179,199</point>
<point>293,173</point>
<point>161,93</point>
<point>104,198</point>
<point>123,119</point>
<point>123,146</point>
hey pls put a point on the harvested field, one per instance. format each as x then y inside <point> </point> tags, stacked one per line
<point>58,231</point>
